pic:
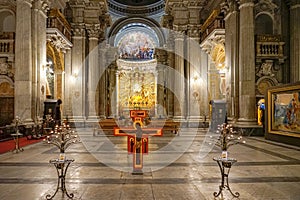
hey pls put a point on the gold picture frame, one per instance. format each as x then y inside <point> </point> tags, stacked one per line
<point>283,110</point>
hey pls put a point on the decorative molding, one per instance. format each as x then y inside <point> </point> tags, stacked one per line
<point>58,40</point>
<point>149,65</point>
<point>265,6</point>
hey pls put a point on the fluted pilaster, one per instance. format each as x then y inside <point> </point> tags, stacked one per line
<point>247,64</point>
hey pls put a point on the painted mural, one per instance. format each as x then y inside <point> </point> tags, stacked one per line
<point>287,111</point>
<point>136,45</point>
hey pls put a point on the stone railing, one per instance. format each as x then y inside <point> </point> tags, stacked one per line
<point>217,23</point>
<point>7,43</point>
<point>269,46</point>
<point>57,20</point>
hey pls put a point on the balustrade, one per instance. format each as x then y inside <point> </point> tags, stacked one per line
<point>269,46</point>
<point>57,20</point>
<point>7,43</point>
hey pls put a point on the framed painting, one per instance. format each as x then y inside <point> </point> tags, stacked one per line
<point>283,110</point>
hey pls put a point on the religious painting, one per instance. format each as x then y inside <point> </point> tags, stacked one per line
<point>136,45</point>
<point>284,110</point>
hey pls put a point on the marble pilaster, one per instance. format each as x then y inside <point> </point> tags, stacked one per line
<point>246,64</point>
<point>179,82</point>
<point>39,18</point>
<point>23,61</point>
<point>231,60</point>
<point>78,72</point>
<point>93,78</point>
<point>194,81</point>
<point>295,41</point>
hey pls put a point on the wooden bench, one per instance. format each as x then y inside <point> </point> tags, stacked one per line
<point>107,125</point>
<point>166,125</point>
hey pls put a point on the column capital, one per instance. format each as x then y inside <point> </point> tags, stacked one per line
<point>41,5</point>
<point>229,6</point>
<point>93,30</point>
<point>180,31</point>
<point>245,3</point>
<point>193,31</point>
<point>28,2</point>
<point>78,30</point>
<point>294,4</point>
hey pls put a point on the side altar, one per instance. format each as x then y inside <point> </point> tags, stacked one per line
<point>137,138</point>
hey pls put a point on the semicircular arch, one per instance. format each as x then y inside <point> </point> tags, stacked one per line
<point>122,22</point>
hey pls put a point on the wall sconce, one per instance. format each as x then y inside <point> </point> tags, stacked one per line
<point>195,78</point>
<point>74,76</point>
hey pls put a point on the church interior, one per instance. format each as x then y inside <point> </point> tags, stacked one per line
<point>141,99</point>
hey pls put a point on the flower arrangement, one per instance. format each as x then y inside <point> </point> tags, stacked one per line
<point>227,137</point>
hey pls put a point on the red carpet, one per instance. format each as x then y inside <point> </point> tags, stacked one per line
<point>10,144</point>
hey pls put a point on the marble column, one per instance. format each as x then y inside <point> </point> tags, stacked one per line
<point>169,74</point>
<point>294,41</point>
<point>179,79</point>
<point>23,61</point>
<point>169,85</point>
<point>93,78</point>
<point>103,83</point>
<point>247,64</point>
<point>67,108</point>
<point>78,72</point>
<point>161,56</point>
<point>109,97</point>
<point>232,59</point>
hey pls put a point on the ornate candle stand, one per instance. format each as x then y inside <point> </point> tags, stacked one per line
<point>226,138</point>
<point>17,121</point>
<point>62,137</point>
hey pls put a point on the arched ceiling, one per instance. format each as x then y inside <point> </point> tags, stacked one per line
<point>136,7</point>
<point>137,2</point>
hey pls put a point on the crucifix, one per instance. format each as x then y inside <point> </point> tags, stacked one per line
<point>137,139</point>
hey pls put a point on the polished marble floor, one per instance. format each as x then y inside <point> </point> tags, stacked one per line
<point>177,167</point>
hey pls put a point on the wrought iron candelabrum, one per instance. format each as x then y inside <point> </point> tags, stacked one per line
<point>62,137</point>
<point>226,138</point>
<point>16,122</point>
